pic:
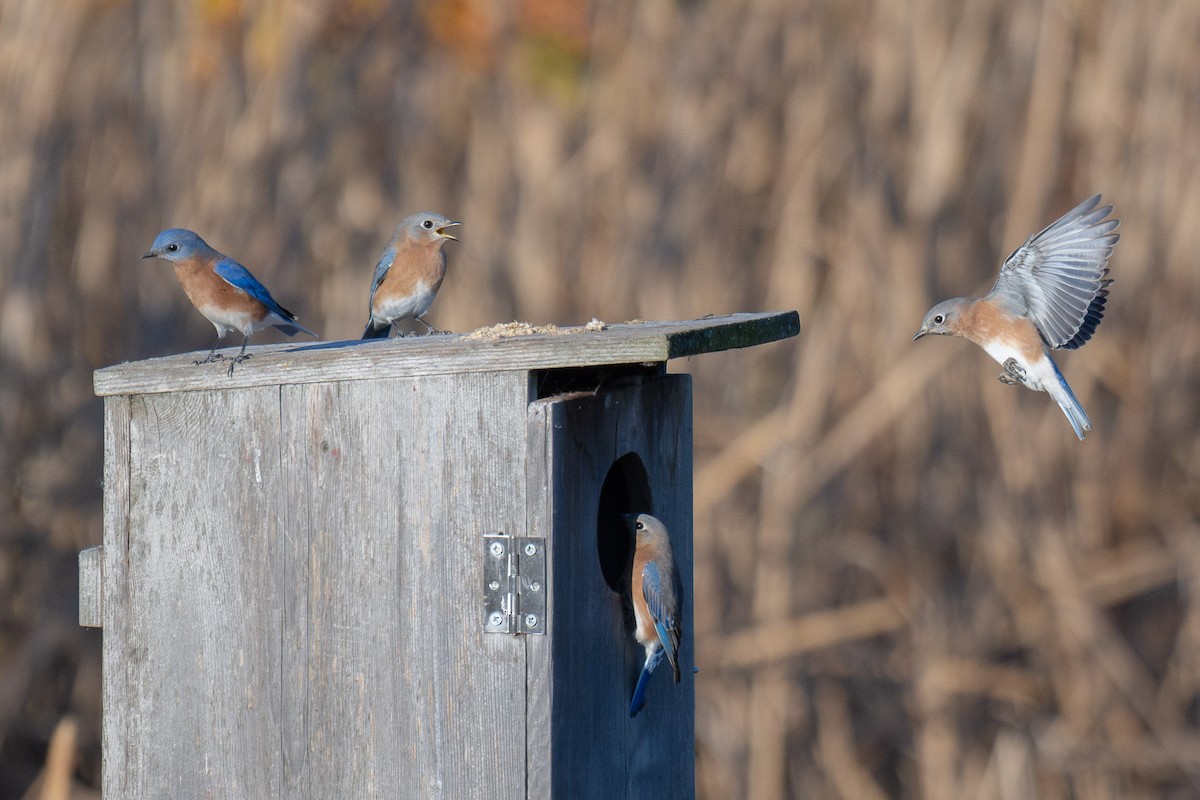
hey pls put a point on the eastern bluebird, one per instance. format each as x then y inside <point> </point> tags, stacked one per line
<point>409,273</point>
<point>1050,294</point>
<point>657,594</point>
<point>222,290</point>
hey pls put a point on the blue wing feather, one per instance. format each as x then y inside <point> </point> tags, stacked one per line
<point>662,601</point>
<point>239,277</point>
<point>381,269</point>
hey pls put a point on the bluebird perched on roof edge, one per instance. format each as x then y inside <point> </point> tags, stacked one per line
<point>1050,294</point>
<point>657,595</point>
<point>222,290</point>
<point>409,273</point>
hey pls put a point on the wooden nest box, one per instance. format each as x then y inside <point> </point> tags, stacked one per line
<point>391,569</point>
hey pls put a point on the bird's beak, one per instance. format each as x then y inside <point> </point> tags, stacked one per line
<point>442,231</point>
<point>149,254</point>
<point>920,333</point>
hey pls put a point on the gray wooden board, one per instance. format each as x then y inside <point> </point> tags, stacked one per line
<point>292,590</point>
<point>392,689</point>
<point>582,741</point>
<point>620,343</point>
<point>117,728</point>
<point>91,587</point>
<point>197,640</point>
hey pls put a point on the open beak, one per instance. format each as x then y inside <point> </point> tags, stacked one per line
<point>442,231</point>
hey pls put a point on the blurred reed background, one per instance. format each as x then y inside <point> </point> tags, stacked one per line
<point>911,581</point>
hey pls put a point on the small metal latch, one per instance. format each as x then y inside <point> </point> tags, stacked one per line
<point>514,584</point>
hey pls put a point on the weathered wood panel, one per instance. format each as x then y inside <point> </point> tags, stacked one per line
<point>582,674</point>
<point>192,641</point>
<point>91,587</point>
<point>391,689</point>
<point>116,733</point>
<point>294,585</point>
<point>619,343</point>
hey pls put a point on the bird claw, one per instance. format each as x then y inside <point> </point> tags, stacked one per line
<point>1013,373</point>
<point>429,329</point>
<point>233,362</point>
<point>210,358</point>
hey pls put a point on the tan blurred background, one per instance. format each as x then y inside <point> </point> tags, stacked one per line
<point>911,581</point>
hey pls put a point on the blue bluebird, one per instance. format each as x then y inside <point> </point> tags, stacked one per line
<point>657,595</point>
<point>222,290</point>
<point>1050,294</point>
<point>409,273</point>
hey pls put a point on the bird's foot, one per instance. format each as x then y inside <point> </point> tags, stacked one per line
<point>430,330</point>
<point>210,358</point>
<point>233,362</point>
<point>1013,373</point>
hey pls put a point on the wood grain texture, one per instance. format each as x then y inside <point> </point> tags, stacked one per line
<point>391,688</point>
<point>620,343</point>
<point>91,587</point>
<point>197,650</point>
<point>294,605</point>
<point>116,729</point>
<point>582,741</point>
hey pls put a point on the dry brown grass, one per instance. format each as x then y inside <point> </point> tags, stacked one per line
<point>911,581</point>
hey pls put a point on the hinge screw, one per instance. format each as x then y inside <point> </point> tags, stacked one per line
<point>535,586</point>
<point>530,549</point>
<point>494,619</point>
<point>494,585</point>
<point>497,549</point>
<point>531,620</point>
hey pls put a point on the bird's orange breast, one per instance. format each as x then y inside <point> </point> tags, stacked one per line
<point>413,266</point>
<point>206,289</point>
<point>644,631</point>
<point>983,322</point>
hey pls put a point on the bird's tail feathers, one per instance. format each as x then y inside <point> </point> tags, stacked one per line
<point>639,692</point>
<point>377,330</point>
<point>1070,405</point>
<point>293,327</point>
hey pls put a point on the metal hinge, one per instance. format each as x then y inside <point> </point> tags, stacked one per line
<point>514,584</point>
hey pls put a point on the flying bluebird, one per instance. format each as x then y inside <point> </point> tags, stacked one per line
<point>1050,294</point>
<point>409,273</point>
<point>222,290</point>
<point>657,594</point>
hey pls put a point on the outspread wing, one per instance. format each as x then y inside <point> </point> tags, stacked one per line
<point>239,277</point>
<point>1057,278</point>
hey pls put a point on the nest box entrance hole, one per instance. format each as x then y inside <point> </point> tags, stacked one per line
<point>626,490</point>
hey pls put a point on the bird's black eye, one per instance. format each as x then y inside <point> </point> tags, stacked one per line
<point>427,224</point>
<point>939,319</point>
<point>172,248</point>
<point>641,526</point>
